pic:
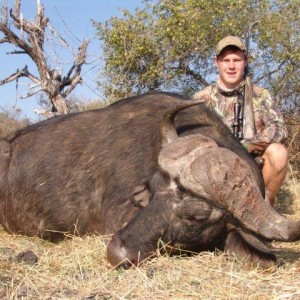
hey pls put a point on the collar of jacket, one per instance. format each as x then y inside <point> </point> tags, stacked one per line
<point>231,92</point>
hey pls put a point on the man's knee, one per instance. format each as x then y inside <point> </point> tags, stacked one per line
<point>277,155</point>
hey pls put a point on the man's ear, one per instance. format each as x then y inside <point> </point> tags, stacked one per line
<point>216,61</point>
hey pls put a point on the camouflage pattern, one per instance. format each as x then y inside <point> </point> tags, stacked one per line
<point>269,124</point>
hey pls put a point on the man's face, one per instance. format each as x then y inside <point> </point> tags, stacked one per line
<point>231,65</point>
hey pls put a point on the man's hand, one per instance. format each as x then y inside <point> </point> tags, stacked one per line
<point>257,148</point>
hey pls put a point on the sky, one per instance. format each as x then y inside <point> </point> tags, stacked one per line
<point>72,20</point>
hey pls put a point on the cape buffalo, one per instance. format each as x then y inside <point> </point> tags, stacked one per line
<point>124,170</point>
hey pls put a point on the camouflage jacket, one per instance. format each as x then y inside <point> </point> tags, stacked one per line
<point>269,124</point>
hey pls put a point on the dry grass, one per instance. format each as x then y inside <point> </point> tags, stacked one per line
<point>77,269</point>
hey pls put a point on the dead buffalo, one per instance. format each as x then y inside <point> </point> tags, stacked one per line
<point>124,170</point>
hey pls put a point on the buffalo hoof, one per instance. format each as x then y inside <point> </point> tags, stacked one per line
<point>118,255</point>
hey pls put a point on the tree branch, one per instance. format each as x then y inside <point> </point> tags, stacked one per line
<point>16,52</point>
<point>29,27</point>
<point>4,40</point>
<point>77,67</point>
<point>30,94</point>
<point>4,15</point>
<point>270,73</point>
<point>12,38</point>
<point>59,38</point>
<point>22,73</point>
<point>195,75</point>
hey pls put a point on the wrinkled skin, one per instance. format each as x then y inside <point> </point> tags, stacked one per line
<point>171,216</point>
<point>207,198</point>
<point>123,170</point>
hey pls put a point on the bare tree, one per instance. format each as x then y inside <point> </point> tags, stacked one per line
<point>30,41</point>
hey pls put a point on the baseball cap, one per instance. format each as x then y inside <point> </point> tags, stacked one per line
<point>230,41</point>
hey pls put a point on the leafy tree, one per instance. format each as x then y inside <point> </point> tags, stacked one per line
<point>169,45</point>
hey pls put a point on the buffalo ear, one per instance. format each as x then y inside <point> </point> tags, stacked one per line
<point>249,249</point>
<point>168,131</point>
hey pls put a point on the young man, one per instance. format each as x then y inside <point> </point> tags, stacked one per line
<point>249,111</point>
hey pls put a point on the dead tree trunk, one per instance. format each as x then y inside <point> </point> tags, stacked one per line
<point>30,41</point>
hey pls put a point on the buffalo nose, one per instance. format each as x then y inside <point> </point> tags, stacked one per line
<point>117,254</point>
